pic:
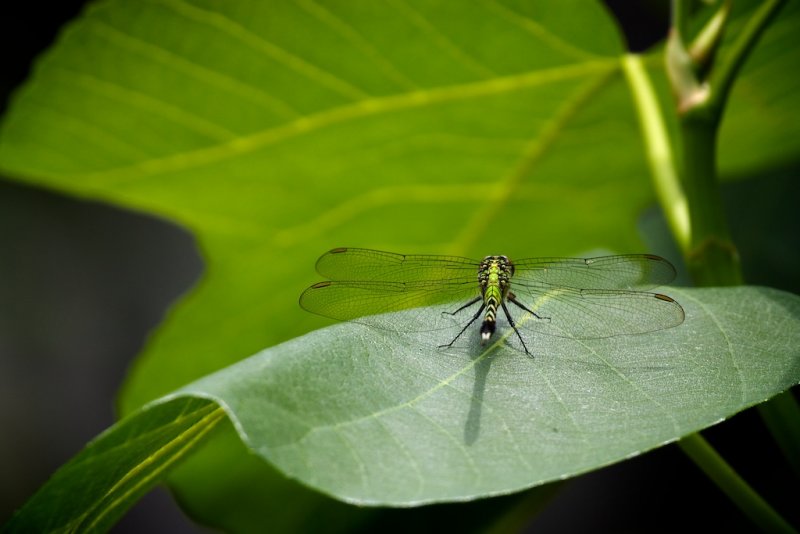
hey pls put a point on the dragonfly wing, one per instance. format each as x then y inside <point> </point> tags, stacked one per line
<point>594,313</point>
<point>368,301</point>
<point>628,272</point>
<point>374,265</point>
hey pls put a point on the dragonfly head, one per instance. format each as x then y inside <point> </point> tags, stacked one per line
<point>502,262</point>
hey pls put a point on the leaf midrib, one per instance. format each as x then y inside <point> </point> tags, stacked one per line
<point>139,172</point>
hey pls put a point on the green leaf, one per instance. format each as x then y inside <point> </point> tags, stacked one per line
<point>761,95</point>
<point>373,417</point>
<point>97,486</point>
<point>246,493</point>
<point>298,146</point>
<point>381,418</point>
<point>271,147</point>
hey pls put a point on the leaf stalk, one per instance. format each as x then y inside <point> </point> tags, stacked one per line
<point>718,470</point>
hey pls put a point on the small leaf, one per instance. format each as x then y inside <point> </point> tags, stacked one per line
<point>92,491</point>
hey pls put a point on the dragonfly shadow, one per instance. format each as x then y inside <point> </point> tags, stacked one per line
<point>472,426</point>
<point>483,356</point>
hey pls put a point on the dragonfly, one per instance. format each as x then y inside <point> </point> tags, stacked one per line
<point>576,298</point>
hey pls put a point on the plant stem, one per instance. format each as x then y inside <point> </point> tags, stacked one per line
<point>679,13</point>
<point>718,470</point>
<point>705,240</point>
<point>530,505</point>
<point>658,147</point>
<point>712,258</point>
<point>782,416</point>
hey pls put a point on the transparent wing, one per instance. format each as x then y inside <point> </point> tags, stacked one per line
<point>368,301</point>
<point>373,265</point>
<point>593,313</point>
<point>632,271</point>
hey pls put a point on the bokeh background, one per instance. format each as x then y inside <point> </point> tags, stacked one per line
<point>82,284</point>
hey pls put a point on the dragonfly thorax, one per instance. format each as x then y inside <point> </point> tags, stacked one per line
<point>495,270</point>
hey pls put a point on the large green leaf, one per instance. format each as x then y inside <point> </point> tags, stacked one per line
<point>277,130</point>
<point>273,147</point>
<point>376,417</point>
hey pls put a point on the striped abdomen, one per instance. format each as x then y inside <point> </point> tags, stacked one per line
<point>491,298</point>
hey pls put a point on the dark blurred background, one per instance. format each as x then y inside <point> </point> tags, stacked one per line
<point>82,284</point>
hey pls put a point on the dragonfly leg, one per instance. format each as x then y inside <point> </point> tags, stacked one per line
<point>464,307</point>
<point>513,298</point>
<point>514,326</point>
<point>474,317</point>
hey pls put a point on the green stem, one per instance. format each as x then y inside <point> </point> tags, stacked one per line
<point>712,258</point>
<point>530,505</point>
<point>658,148</point>
<point>782,416</point>
<point>718,470</point>
<point>679,13</point>
<point>704,236</point>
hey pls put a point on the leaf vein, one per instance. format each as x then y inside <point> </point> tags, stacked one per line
<point>729,351</point>
<point>142,101</point>
<point>349,33</point>
<point>458,54</point>
<point>371,107</point>
<point>539,31</point>
<point>234,29</point>
<point>209,76</point>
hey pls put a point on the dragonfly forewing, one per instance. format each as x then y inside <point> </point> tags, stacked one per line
<point>373,265</point>
<point>626,272</point>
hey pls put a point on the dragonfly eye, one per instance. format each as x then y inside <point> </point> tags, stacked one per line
<point>508,264</point>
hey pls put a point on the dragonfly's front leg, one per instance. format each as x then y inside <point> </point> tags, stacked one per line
<point>465,306</point>
<point>474,317</point>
